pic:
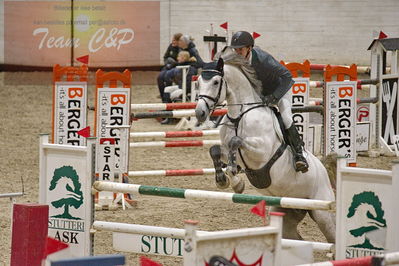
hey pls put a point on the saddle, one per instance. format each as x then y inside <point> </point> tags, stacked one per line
<point>260,178</point>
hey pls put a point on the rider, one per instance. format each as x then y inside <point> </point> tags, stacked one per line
<point>276,82</point>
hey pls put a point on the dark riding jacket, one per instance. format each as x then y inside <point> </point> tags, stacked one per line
<point>171,54</point>
<point>194,53</point>
<point>276,79</point>
<point>175,75</point>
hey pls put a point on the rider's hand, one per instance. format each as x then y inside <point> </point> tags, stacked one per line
<point>269,99</point>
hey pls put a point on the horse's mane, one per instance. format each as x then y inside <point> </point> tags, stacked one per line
<point>231,72</point>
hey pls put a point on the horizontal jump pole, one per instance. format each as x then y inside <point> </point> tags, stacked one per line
<point>377,260</point>
<point>11,195</point>
<point>174,114</point>
<point>162,106</point>
<point>308,109</point>
<point>176,172</point>
<point>175,144</point>
<point>319,101</point>
<point>218,112</point>
<point>180,233</point>
<point>100,260</point>
<point>285,202</point>
<point>321,67</point>
<point>175,134</point>
<point>320,84</point>
<point>361,83</point>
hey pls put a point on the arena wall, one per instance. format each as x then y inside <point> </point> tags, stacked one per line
<point>329,31</point>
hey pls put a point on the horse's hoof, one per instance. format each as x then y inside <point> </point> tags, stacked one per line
<point>222,181</point>
<point>237,184</point>
<point>231,171</point>
<point>223,185</point>
<point>239,187</point>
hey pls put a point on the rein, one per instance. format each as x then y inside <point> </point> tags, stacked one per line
<point>215,100</point>
<point>236,121</point>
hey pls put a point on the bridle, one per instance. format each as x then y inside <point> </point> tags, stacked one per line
<point>235,121</point>
<point>216,99</point>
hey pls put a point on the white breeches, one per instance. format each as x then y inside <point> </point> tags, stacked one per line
<point>284,106</point>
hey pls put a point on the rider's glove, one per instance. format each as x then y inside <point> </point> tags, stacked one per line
<point>269,99</point>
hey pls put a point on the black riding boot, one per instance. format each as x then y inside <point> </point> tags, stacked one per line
<point>296,144</point>
<point>166,99</point>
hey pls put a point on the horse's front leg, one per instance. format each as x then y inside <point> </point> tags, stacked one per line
<point>237,183</point>
<point>221,179</point>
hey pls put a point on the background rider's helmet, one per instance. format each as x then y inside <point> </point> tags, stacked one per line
<point>242,39</point>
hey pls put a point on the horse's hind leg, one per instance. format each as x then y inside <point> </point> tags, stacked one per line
<point>237,183</point>
<point>221,179</point>
<point>326,222</point>
<point>324,219</point>
<point>291,220</point>
<point>234,144</point>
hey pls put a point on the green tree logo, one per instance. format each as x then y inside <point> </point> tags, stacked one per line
<point>373,223</point>
<point>75,196</point>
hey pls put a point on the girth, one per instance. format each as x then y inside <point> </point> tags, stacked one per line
<point>259,178</point>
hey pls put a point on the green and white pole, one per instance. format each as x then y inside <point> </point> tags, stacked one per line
<point>285,202</point>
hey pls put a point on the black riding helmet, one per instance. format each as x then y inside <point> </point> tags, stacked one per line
<point>242,39</point>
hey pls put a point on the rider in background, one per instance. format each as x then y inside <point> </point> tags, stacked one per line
<point>170,56</point>
<point>186,44</point>
<point>170,61</point>
<point>276,89</point>
<point>175,75</point>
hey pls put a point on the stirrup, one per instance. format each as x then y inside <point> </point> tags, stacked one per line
<point>302,167</point>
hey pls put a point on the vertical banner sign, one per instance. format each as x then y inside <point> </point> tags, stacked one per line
<point>300,98</point>
<point>362,136</point>
<point>341,119</point>
<point>69,105</point>
<point>65,185</point>
<point>105,168</point>
<point>70,112</point>
<point>340,112</point>
<point>365,207</point>
<point>389,109</point>
<point>113,110</point>
<point>363,112</point>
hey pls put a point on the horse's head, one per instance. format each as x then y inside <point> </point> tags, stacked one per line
<point>212,89</point>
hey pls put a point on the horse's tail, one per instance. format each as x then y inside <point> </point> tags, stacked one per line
<point>330,163</point>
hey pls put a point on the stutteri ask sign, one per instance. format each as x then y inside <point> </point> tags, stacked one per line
<point>70,112</point>
<point>340,119</point>
<point>367,220</point>
<point>148,244</point>
<point>66,174</point>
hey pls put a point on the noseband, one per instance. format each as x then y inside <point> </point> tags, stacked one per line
<point>211,73</point>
